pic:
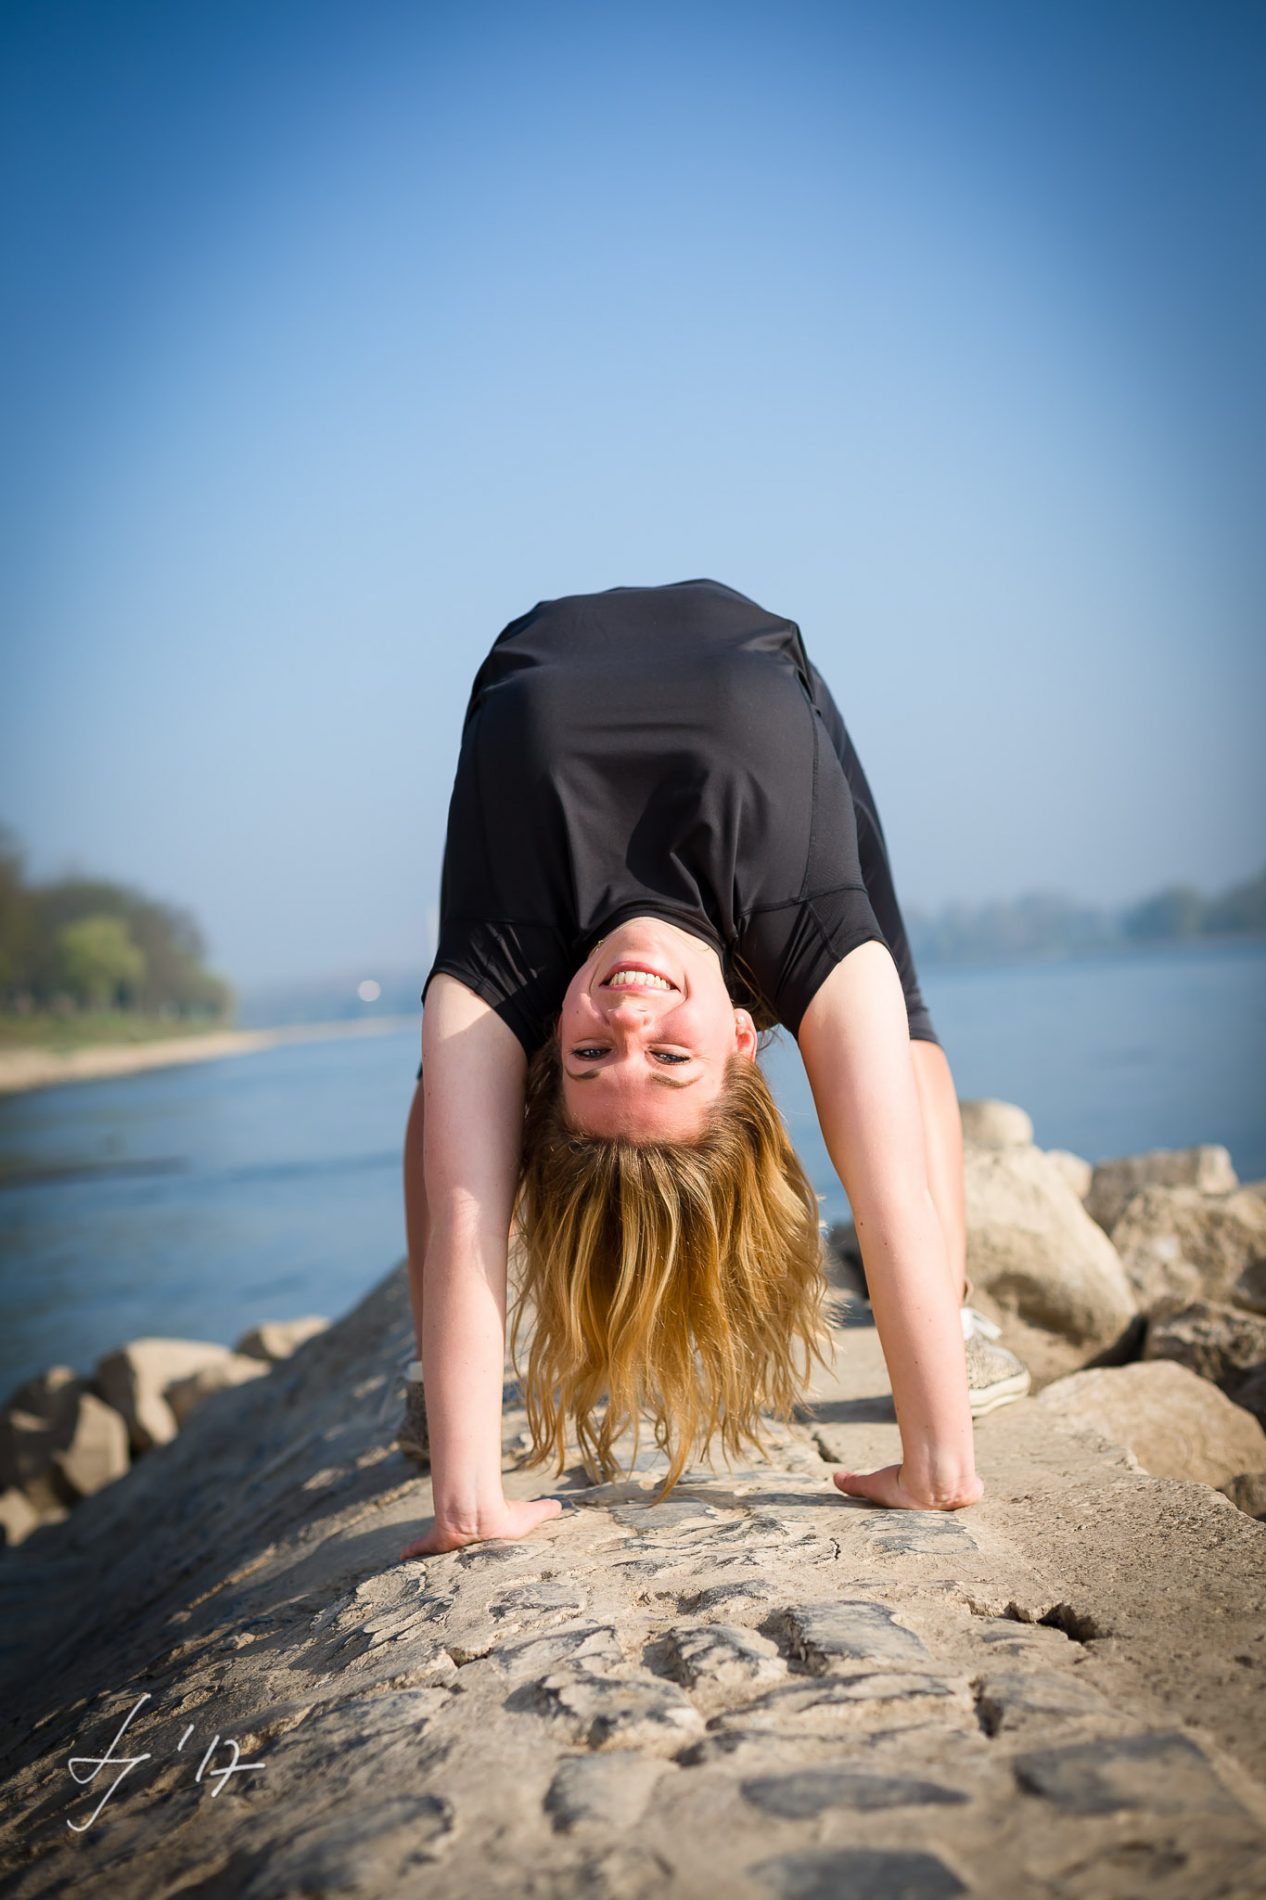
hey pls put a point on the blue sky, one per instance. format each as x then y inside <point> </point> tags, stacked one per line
<point>336,336</point>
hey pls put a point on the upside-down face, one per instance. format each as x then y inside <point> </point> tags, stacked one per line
<point>645,1033</point>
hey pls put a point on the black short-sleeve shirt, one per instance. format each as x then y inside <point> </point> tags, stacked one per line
<point>648,751</point>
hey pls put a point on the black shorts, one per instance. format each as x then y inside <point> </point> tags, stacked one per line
<point>876,869</point>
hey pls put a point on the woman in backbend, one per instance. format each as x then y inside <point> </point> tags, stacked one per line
<point>660,843</point>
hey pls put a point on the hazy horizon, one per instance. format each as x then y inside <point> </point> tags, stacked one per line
<point>336,339</point>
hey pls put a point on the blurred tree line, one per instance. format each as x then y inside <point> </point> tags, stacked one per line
<point>83,943</point>
<point>1050,924</point>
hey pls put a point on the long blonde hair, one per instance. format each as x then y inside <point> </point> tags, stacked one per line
<point>682,1279</point>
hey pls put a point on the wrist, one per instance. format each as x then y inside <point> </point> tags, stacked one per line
<point>465,1514</point>
<point>952,1500</point>
<point>944,1485</point>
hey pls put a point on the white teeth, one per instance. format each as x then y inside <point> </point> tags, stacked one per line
<point>623,978</point>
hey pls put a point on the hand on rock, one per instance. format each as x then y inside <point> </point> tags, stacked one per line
<point>516,1518</point>
<point>887,1487</point>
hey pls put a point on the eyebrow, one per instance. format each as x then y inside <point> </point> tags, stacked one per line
<point>665,1081</point>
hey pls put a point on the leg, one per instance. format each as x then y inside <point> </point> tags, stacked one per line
<point>872,850</point>
<point>412,1436</point>
<point>415,1212</point>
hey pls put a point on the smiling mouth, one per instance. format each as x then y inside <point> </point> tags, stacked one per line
<point>637,976</point>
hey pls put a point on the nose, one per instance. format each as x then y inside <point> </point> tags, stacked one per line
<point>635,1000</point>
<point>627,1013</point>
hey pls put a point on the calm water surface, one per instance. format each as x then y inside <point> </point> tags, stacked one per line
<point>198,1201</point>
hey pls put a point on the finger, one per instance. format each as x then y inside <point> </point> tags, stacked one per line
<point>873,1485</point>
<point>428,1545</point>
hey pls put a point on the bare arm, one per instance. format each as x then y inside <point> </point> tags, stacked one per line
<point>855,1042</point>
<point>473,1077</point>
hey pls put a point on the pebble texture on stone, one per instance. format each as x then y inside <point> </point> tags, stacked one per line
<point>757,1688</point>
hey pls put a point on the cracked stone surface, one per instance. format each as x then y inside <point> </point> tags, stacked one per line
<point>757,1688</point>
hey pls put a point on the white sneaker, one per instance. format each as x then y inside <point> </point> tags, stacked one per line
<point>976,1322</point>
<point>994,1375</point>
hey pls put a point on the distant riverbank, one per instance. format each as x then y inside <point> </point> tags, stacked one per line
<point>23,1069</point>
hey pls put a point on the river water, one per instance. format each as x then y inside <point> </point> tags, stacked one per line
<point>196,1201</point>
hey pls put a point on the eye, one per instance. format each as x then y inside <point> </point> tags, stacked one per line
<point>667,1056</point>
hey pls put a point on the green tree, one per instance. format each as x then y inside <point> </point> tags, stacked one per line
<point>39,962</point>
<point>17,922</point>
<point>97,961</point>
<point>175,981</point>
<point>176,977</point>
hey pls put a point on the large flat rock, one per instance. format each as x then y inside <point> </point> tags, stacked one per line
<point>759,1687</point>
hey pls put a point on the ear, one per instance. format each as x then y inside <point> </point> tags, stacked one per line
<point>745,1038</point>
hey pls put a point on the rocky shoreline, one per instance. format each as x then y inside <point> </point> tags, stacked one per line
<point>64,1436</point>
<point>755,1688</point>
<point>24,1069</point>
<point>1150,1268</point>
